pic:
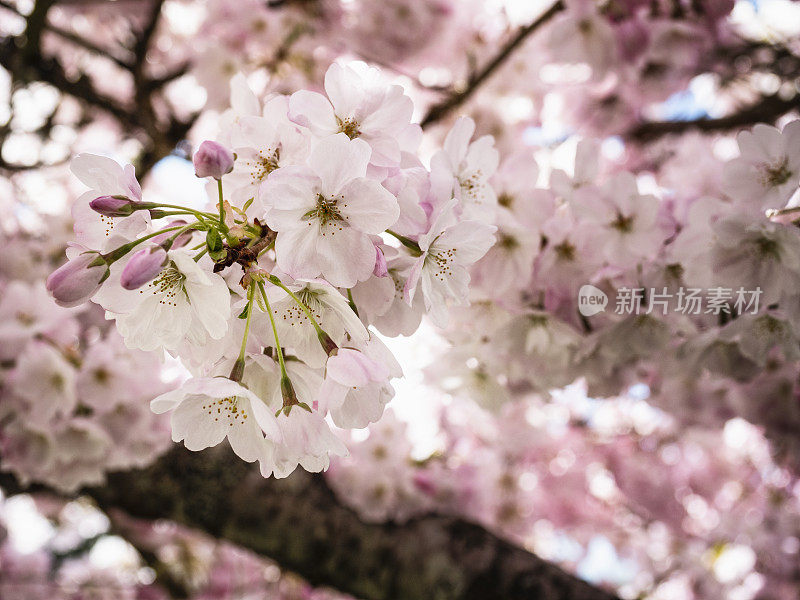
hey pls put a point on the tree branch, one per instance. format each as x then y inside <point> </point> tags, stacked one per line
<point>72,37</point>
<point>299,523</point>
<point>23,59</point>
<point>439,111</point>
<point>766,110</point>
<point>36,21</point>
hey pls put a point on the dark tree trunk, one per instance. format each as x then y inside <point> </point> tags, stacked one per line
<point>299,523</point>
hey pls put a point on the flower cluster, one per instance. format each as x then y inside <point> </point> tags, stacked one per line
<point>327,229</point>
<point>72,396</point>
<point>598,226</point>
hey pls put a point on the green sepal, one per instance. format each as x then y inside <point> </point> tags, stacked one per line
<point>214,244</point>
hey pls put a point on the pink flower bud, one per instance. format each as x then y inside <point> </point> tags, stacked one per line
<point>179,241</point>
<point>142,267</point>
<point>381,269</point>
<point>113,206</point>
<point>76,281</point>
<point>425,483</point>
<point>212,160</point>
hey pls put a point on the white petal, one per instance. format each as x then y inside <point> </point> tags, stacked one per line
<point>368,206</point>
<point>313,110</point>
<point>192,424</point>
<point>337,160</point>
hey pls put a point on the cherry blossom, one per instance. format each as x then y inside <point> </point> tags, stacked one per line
<point>593,294</point>
<point>183,302</point>
<point>359,105</point>
<point>768,168</point>
<point>205,411</point>
<point>447,249</point>
<point>462,169</point>
<point>324,213</point>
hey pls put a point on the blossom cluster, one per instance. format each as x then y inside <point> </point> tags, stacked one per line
<point>327,228</point>
<point>603,227</point>
<point>73,398</point>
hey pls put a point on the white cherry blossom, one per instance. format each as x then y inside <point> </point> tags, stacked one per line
<point>325,212</point>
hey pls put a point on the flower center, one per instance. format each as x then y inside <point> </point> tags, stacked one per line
<point>57,381</point>
<point>623,224</point>
<point>168,284</point>
<point>505,199</point>
<point>507,242</point>
<point>767,247</point>
<point>25,319</point>
<point>293,315</point>
<point>441,260</point>
<point>264,164</point>
<point>326,211</point>
<point>775,175</point>
<point>565,251</point>
<point>226,409</point>
<point>471,187</point>
<point>349,127</point>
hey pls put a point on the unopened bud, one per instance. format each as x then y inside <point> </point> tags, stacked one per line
<point>177,242</point>
<point>77,280</point>
<point>142,267</point>
<point>212,160</point>
<point>327,343</point>
<point>237,372</point>
<point>113,206</point>
<point>381,269</point>
<point>288,393</point>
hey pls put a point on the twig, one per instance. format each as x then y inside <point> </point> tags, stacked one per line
<point>768,109</point>
<point>439,111</point>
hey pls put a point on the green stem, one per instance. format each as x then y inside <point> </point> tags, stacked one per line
<point>250,293</point>
<point>325,340</point>
<point>196,213</point>
<point>287,389</point>
<point>275,281</point>
<point>237,372</point>
<point>118,253</point>
<point>222,226</point>
<point>351,302</point>
<point>167,244</point>
<point>406,241</point>
<point>200,254</point>
<point>274,330</point>
<point>172,213</point>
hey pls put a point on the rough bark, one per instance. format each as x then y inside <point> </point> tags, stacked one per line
<point>299,523</point>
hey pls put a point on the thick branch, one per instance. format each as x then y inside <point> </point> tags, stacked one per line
<point>439,111</point>
<point>299,523</point>
<point>72,37</point>
<point>36,21</point>
<point>766,110</point>
<point>146,35</point>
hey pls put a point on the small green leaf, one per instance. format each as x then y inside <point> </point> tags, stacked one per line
<point>214,243</point>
